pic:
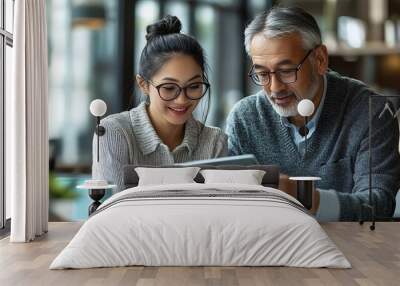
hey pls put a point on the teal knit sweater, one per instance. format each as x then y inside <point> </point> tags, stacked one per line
<point>337,150</point>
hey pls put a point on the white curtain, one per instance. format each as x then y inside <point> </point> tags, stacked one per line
<point>26,124</point>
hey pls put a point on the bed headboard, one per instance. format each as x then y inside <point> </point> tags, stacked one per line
<point>270,179</point>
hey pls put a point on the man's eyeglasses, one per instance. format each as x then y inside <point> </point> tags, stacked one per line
<point>284,76</point>
<point>170,91</point>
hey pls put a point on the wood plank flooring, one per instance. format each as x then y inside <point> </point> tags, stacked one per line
<point>374,255</point>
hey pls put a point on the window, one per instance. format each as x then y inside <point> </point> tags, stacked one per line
<point>82,66</point>
<point>6,43</point>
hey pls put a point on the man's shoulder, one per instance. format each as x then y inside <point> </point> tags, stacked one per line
<point>349,99</point>
<point>352,94</point>
<point>350,87</point>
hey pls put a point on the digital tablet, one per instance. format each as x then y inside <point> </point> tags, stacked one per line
<point>243,160</point>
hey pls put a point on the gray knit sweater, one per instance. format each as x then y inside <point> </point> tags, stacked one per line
<point>130,138</point>
<point>338,149</point>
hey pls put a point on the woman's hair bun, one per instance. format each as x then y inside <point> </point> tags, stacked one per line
<point>167,25</point>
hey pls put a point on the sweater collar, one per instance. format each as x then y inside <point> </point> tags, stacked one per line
<point>148,139</point>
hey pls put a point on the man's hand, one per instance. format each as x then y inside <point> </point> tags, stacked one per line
<point>290,187</point>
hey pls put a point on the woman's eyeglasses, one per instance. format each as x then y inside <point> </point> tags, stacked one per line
<point>170,91</point>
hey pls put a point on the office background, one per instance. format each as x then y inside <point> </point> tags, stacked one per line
<point>94,47</point>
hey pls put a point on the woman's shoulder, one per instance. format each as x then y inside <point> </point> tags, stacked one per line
<point>211,132</point>
<point>119,125</point>
<point>116,120</point>
<point>213,142</point>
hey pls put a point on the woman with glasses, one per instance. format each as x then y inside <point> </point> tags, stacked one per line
<point>162,129</point>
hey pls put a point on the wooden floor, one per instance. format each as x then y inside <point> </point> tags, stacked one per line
<point>374,255</point>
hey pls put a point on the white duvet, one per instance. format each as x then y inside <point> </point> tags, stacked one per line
<point>184,230</point>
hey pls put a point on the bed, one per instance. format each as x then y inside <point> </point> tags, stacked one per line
<point>201,224</point>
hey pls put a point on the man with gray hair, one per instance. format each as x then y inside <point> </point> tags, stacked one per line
<point>290,63</point>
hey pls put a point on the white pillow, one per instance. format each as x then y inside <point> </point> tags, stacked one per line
<point>248,177</point>
<point>163,176</point>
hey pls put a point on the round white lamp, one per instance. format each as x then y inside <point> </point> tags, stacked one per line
<point>305,107</point>
<point>97,188</point>
<point>98,108</point>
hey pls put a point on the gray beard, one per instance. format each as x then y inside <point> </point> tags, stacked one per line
<point>284,111</point>
<point>291,110</point>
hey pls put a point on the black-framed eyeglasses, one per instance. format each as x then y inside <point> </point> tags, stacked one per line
<point>284,76</point>
<point>170,90</point>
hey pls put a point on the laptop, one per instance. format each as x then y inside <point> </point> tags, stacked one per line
<point>242,160</point>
